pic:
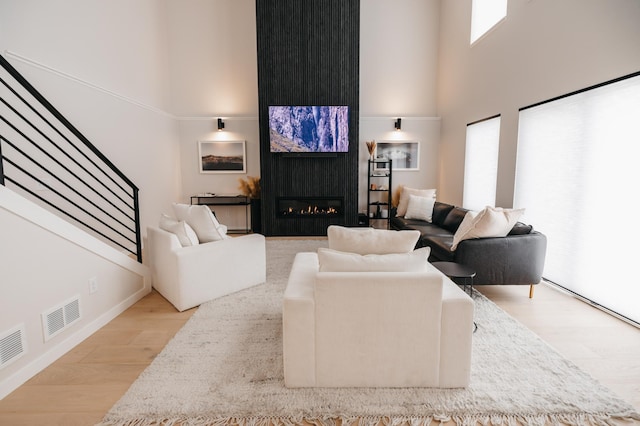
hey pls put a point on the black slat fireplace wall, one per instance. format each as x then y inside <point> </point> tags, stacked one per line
<point>308,54</point>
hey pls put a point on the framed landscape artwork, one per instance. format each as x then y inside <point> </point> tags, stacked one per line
<point>222,156</point>
<point>405,155</point>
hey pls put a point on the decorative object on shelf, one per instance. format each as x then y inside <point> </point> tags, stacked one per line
<point>220,124</point>
<point>250,187</point>
<point>398,124</point>
<point>371,147</point>
<point>222,156</point>
<point>405,155</point>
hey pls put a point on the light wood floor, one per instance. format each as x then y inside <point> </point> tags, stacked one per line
<point>79,388</point>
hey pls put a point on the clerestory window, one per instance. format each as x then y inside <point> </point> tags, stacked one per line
<point>486,14</point>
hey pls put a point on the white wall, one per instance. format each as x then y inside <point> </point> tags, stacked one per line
<point>398,67</point>
<point>194,182</point>
<point>398,57</point>
<point>543,49</point>
<point>214,73</point>
<point>425,130</point>
<point>104,66</point>
<point>213,59</point>
<point>117,44</point>
<point>111,84</point>
<point>42,269</point>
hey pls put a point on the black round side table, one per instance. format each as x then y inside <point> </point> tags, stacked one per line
<point>457,271</point>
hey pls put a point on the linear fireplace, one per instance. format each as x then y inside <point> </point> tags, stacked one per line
<point>310,207</point>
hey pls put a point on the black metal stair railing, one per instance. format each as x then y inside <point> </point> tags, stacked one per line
<point>47,160</point>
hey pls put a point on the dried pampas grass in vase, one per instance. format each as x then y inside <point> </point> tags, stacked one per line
<point>371,146</point>
<point>250,187</point>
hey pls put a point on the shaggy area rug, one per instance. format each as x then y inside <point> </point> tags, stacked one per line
<point>224,367</point>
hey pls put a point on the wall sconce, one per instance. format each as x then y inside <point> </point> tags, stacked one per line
<point>398,124</point>
<point>220,124</point>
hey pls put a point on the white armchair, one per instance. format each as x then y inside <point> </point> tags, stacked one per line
<point>189,276</point>
<point>375,329</point>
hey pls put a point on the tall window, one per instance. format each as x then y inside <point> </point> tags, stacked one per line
<point>481,163</point>
<point>485,14</point>
<point>577,175</point>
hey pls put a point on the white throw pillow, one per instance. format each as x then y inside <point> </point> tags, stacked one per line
<point>371,241</point>
<point>186,235</point>
<point>337,261</point>
<point>222,229</point>
<point>201,219</point>
<point>465,226</point>
<point>404,198</point>
<point>489,222</point>
<point>420,208</point>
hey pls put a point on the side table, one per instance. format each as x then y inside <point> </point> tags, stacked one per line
<point>457,271</point>
<point>226,200</point>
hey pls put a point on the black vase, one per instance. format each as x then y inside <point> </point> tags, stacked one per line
<point>256,216</point>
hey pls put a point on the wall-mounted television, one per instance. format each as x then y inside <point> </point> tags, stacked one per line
<point>308,129</point>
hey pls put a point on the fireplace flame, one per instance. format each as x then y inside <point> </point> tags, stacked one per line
<point>311,210</point>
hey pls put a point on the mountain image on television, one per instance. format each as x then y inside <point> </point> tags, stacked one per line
<point>309,128</point>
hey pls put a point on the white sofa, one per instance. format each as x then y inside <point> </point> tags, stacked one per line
<point>189,276</point>
<point>375,329</point>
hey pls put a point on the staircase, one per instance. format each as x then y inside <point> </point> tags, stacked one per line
<point>70,246</point>
<point>45,159</point>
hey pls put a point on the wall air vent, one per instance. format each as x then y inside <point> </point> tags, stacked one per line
<point>12,345</point>
<point>56,319</point>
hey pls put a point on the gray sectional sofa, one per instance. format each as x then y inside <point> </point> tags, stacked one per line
<point>517,258</point>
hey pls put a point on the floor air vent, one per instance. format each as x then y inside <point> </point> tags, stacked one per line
<point>12,345</point>
<point>55,320</point>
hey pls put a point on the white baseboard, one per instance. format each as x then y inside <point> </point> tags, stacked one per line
<point>31,369</point>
